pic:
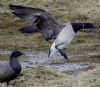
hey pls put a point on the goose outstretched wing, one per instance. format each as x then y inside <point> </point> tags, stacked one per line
<point>39,20</point>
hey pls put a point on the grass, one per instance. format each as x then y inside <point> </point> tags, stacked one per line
<point>81,43</point>
<point>64,10</point>
<point>3,57</point>
<point>22,41</point>
<point>78,59</point>
<point>84,42</point>
<point>41,76</point>
<point>90,79</point>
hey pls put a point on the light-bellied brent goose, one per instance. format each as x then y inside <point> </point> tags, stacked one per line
<point>41,21</point>
<point>10,70</point>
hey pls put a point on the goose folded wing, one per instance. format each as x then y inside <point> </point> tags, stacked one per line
<point>6,72</point>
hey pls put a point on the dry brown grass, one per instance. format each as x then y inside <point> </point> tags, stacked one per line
<point>65,10</point>
<point>44,77</point>
<point>62,10</point>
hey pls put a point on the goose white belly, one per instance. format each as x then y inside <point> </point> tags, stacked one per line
<point>64,38</point>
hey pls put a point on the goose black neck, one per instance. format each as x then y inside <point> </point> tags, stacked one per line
<point>78,26</point>
<point>12,57</point>
<point>15,65</point>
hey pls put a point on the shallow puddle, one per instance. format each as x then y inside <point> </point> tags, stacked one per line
<point>34,58</point>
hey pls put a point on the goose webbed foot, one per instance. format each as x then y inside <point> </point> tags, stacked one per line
<point>61,52</point>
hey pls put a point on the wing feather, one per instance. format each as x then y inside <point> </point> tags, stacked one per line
<point>45,23</point>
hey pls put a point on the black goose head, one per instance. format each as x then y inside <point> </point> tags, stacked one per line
<point>16,54</point>
<point>79,26</point>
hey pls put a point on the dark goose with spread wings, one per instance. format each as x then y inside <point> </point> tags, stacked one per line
<point>41,21</point>
<point>38,21</point>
